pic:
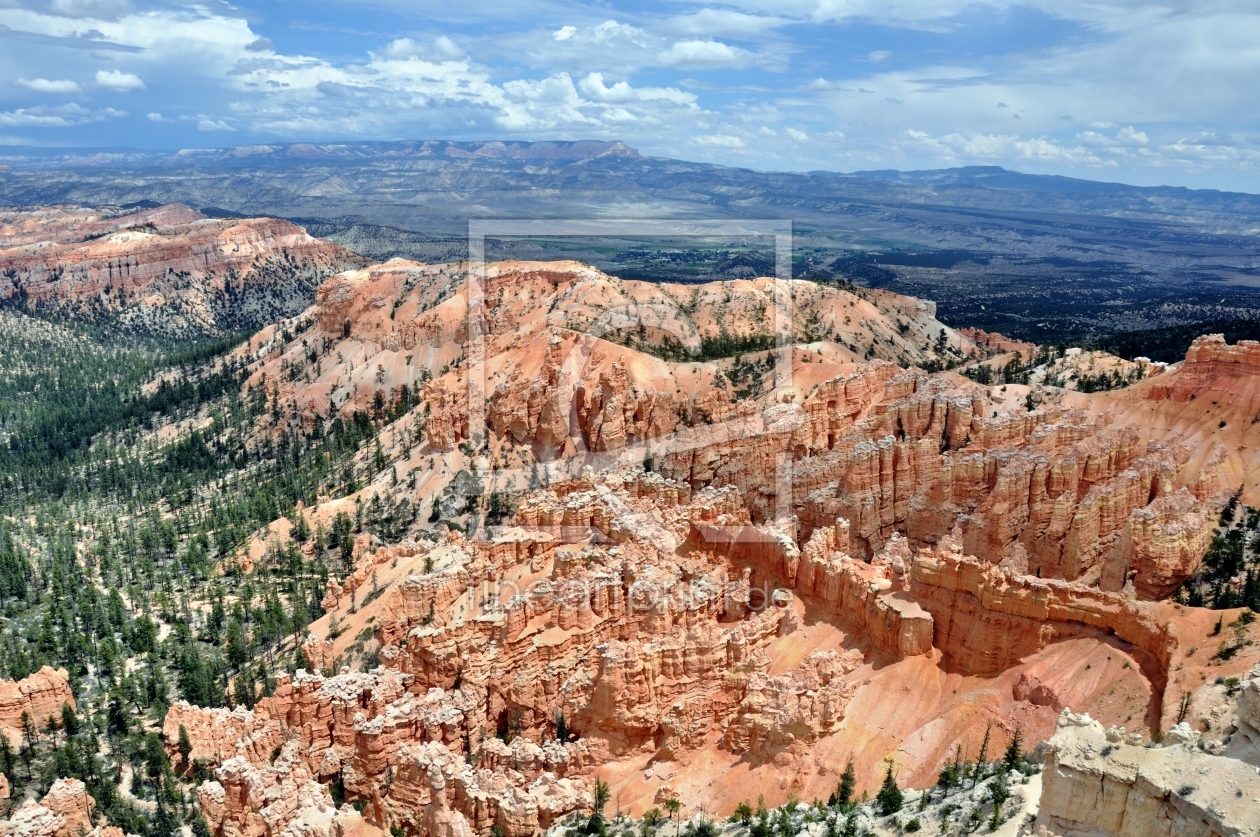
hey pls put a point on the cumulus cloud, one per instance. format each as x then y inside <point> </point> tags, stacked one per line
<point>43,85</point>
<point>796,134</point>
<point>962,147</point>
<point>593,86</point>
<point>441,48</point>
<point>447,48</point>
<point>118,80</point>
<point>704,53</point>
<point>213,125</point>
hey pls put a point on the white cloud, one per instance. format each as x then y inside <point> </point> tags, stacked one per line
<point>708,53</point>
<point>1167,86</point>
<point>89,8</point>
<point>821,84</point>
<point>723,23</point>
<point>213,125</point>
<point>118,80</point>
<point>971,148</point>
<point>719,141</point>
<point>157,117</point>
<point>43,85</point>
<point>442,48</point>
<point>60,116</point>
<point>621,92</point>
<point>447,48</point>
<point>402,48</point>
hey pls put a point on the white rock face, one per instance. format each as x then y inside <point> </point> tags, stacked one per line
<point>1095,785</point>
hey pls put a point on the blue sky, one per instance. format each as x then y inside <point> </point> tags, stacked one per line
<point>1142,93</point>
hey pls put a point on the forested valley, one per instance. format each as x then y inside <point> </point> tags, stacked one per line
<point>128,471</point>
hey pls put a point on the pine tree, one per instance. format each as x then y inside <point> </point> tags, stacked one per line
<point>185,745</point>
<point>843,796</point>
<point>889,799</point>
<point>984,754</point>
<point>69,720</point>
<point>301,529</point>
<point>1014,752</point>
<point>6,758</point>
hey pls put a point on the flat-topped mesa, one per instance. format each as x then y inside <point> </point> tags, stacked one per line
<point>1210,361</point>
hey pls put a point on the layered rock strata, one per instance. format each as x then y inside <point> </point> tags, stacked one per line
<point>165,270</point>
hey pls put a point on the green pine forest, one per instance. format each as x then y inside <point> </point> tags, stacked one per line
<point>130,471</point>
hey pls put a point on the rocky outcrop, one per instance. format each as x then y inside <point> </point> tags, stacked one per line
<point>276,798</point>
<point>999,343</point>
<point>795,708</point>
<point>987,618</point>
<point>1100,781</point>
<point>167,270</point>
<point>1163,543</point>
<point>65,811</point>
<point>695,567</point>
<point>870,595</point>
<point>1209,359</point>
<point>42,694</point>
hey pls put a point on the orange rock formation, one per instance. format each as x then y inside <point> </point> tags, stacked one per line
<point>147,266</point>
<point>854,559</point>
<point>42,694</point>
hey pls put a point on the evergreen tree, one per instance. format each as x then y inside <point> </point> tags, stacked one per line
<point>889,799</point>
<point>1014,754</point>
<point>977,774</point>
<point>69,720</point>
<point>843,795</point>
<point>184,745</point>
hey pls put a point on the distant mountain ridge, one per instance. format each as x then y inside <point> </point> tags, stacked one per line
<point>327,152</point>
<point>581,169</point>
<point>1041,258</point>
